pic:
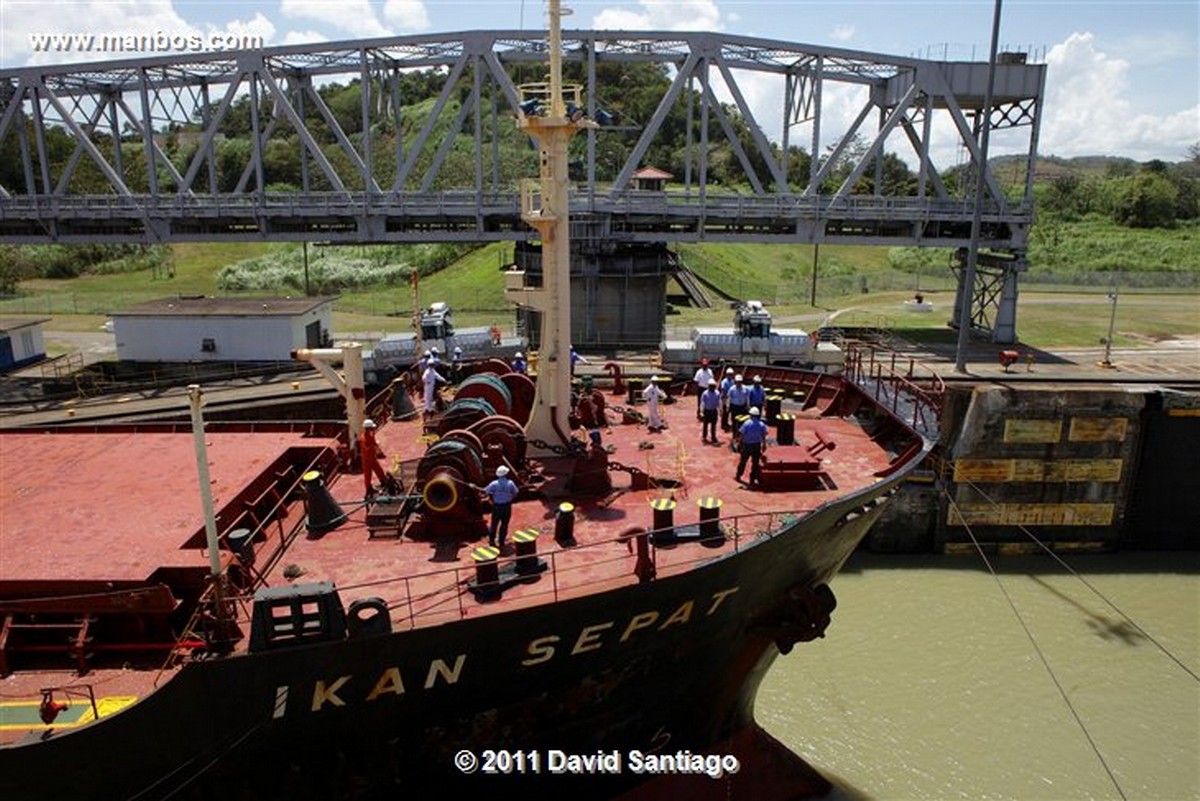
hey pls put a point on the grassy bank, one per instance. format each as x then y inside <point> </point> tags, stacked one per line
<point>1048,314</point>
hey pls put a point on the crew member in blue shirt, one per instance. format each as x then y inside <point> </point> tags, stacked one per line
<point>739,400</point>
<point>710,402</point>
<point>503,491</point>
<point>754,443</point>
<point>726,385</point>
<point>518,363</point>
<point>756,395</point>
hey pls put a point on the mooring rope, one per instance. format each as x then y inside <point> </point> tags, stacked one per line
<point>1037,649</point>
<point>1166,652</point>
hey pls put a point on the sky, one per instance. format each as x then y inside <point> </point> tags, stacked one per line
<point>1123,77</point>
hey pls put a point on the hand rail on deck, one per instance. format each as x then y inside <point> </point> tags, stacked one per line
<point>450,596</point>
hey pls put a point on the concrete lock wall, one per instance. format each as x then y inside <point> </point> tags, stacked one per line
<point>1055,462</point>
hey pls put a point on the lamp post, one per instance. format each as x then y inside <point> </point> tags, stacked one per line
<point>1112,320</point>
<point>812,299</point>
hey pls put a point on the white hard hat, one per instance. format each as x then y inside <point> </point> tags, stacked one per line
<point>368,423</point>
<point>712,382</point>
<point>433,349</point>
<point>737,377</point>
<point>457,349</point>
<point>758,379</point>
<point>728,371</point>
<point>653,379</point>
<point>754,411</point>
<point>501,471</point>
<point>428,353</point>
<point>518,355</point>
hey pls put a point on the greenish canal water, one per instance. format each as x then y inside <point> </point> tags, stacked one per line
<point>928,686</point>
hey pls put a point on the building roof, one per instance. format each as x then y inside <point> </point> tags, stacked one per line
<point>652,173</point>
<point>17,323</point>
<point>201,306</point>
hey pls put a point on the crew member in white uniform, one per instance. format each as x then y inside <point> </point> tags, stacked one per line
<point>431,378</point>
<point>653,394</point>
<point>703,375</point>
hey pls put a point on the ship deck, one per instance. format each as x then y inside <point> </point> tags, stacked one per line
<point>92,513</point>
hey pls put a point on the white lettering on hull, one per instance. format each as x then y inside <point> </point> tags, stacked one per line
<point>390,682</point>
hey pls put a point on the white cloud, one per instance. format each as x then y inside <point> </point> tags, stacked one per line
<point>304,37</point>
<point>842,33</point>
<point>257,26</point>
<point>1088,110</point>
<point>407,15</point>
<point>668,15</point>
<point>354,17</point>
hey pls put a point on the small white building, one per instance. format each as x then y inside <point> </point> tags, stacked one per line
<point>221,329</point>
<point>21,342</point>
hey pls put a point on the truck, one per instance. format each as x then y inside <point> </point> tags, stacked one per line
<point>753,341</point>
<point>395,353</point>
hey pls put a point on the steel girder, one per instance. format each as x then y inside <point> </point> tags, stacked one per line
<point>125,119</point>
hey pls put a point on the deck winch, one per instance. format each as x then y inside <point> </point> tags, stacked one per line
<point>479,431</point>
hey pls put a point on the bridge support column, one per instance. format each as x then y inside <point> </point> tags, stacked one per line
<point>994,296</point>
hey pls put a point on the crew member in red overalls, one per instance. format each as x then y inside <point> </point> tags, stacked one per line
<point>370,454</point>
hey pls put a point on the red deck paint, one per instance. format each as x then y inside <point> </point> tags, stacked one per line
<point>84,509</point>
<point>84,506</point>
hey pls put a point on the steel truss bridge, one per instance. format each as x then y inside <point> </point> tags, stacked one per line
<point>127,180</point>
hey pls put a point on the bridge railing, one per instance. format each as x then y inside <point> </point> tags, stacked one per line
<point>470,204</point>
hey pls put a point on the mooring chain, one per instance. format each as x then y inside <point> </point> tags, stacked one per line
<point>626,411</point>
<point>561,450</point>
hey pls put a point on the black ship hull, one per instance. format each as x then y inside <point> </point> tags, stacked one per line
<point>655,668</point>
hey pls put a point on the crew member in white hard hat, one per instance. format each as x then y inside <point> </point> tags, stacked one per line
<point>725,385</point>
<point>431,379</point>
<point>369,454</point>
<point>503,491</point>
<point>753,434</point>
<point>653,394</point>
<point>456,364</point>
<point>756,393</point>
<point>703,375</point>
<point>739,400</point>
<point>519,365</point>
<point>710,403</point>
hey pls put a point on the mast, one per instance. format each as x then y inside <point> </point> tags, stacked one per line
<point>551,113</point>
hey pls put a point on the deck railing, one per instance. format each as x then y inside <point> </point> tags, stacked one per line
<point>442,596</point>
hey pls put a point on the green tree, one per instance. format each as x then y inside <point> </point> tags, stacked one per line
<point>14,268</point>
<point>1147,201</point>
